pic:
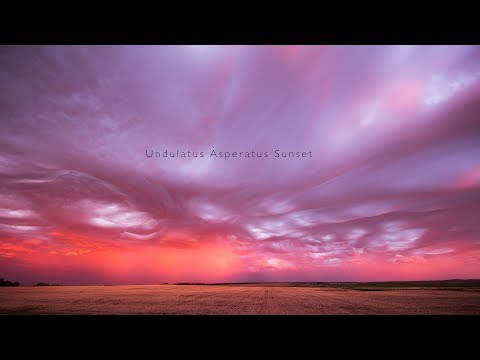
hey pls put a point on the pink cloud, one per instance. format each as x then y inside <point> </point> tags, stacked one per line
<point>391,128</point>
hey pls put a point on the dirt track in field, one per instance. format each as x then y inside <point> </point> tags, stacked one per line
<point>232,300</point>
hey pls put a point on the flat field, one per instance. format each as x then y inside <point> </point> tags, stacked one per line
<point>248,299</point>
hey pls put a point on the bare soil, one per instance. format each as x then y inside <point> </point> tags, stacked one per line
<point>233,300</point>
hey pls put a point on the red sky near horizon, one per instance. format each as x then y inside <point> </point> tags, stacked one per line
<point>391,192</point>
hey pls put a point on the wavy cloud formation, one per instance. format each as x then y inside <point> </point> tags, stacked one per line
<point>392,190</point>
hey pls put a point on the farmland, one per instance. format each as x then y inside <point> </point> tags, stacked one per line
<point>247,299</point>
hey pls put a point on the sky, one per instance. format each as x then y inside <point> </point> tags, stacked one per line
<point>391,190</point>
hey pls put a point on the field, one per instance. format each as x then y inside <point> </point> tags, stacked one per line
<point>249,299</point>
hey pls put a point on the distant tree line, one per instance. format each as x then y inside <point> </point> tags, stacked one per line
<point>188,283</point>
<point>4,282</point>
<point>45,284</point>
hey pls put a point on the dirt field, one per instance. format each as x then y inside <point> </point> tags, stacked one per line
<point>237,299</point>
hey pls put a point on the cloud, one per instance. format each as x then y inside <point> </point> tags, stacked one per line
<point>392,184</point>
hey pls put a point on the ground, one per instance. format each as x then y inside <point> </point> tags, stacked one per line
<point>281,299</point>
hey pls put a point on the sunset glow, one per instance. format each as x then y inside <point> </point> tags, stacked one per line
<point>388,188</point>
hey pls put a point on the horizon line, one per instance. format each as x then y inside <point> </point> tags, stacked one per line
<point>258,282</point>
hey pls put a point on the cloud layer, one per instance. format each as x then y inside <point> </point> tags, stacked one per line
<point>392,190</point>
